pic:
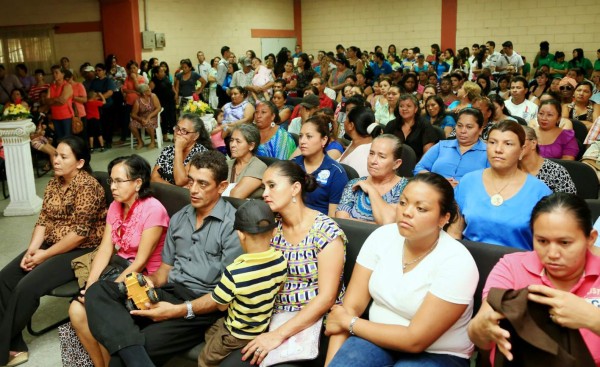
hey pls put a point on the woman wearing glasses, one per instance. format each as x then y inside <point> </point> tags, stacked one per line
<point>136,224</point>
<point>190,137</point>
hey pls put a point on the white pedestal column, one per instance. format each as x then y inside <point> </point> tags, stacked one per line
<point>19,168</point>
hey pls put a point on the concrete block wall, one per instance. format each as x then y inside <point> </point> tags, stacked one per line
<point>79,47</point>
<point>191,26</point>
<point>565,24</point>
<point>365,24</point>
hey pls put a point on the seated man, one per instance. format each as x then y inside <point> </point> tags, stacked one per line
<point>200,243</point>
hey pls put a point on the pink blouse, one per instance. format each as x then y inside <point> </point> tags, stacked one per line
<point>127,233</point>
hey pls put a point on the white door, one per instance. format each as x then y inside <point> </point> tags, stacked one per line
<point>274,45</point>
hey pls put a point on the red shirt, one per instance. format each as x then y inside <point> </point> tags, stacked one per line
<point>92,109</point>
<point>60,112</point>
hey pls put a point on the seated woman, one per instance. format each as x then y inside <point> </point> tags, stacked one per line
<point>314,247</point>
<point>554,142</point>
<point>428,91</point>
<point>419,318</point>
<point>136,225</point>
<point>274,140</point>
<point>551,173</point>
<point>373,198</point>
<point>245,170</point>
<point>560,272</point>
<point>238,111</point>
<point>582,108</point>
<point>190,138</point>
<point>70,224</point>
<point>466,94</point>
<point>500,196</point>
<point>330,175</point>
<point>144,115</point>
<point>285,111</point>
<point>564,123</point>
<point>436,114</point>
<point>384,113</point>
<point>361,127</point>
<point>410,127</point>
<point>455,158</point>
<point>334,148</point>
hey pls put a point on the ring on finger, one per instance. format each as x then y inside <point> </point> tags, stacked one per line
<point>257,351</point>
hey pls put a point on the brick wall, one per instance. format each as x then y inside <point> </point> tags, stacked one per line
<point>364,24</point>
<point>188,28</point>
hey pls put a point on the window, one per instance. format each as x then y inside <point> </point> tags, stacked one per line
<point>33,47</point>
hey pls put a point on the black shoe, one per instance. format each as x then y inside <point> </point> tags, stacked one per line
<point>101,149</point>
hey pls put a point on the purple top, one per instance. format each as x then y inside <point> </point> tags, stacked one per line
<point>565,144</point>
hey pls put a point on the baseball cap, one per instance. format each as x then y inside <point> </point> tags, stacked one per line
<point>245,61</point>
<point>88,68</point>
<point>310,101</point>
<point>254,216</point>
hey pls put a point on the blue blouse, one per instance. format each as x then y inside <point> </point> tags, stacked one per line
<point>331,178</point>
<point>504,225</point>
<point>445,159</point>
<point>358,205</point>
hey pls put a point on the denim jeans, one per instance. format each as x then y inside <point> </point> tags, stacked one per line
<point>360,352</point>
<point>62,128</point>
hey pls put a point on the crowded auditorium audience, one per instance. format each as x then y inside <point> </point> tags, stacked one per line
<point>429,148</point>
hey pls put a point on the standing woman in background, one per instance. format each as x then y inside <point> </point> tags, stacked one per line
<point>60,96</point>
<point>163,89</point>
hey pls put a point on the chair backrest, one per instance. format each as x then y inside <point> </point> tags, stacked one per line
<point>350,172</point>
<point>584,177</point>
<point>293,101</point>
<point>268,160</point>
<point>296,138</point>
<point>594,205</point>
<point>486,256</point>
<point>580,130</point>
<point>172,197</point>
<point>409,161</point>
<point>234,201</point>
<point>357,233</point>
<point>102,178</point>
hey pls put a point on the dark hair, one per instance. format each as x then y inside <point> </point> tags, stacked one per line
<point>544,45</point>
<point>491,43</point>
<point>130,64</point>
<point>151,62</point>
<point>304,58</point>
<point>554,103</point>
<point>415,101</point>
<point>68,74</point>
<point>588,84</point>
<point>398,146</point>
<point>567,202</point>
<point>488,102</point>
<point>203,135</point>
<point>136,167</point>
<point>488,85</point>
<point>578,71</point>
<point>223,50</point>
<point>144,65</point>
<point>363,120</point>
<point>80,150</point>
<point>250,133</point>
<point>444,189</point>
<point>22,67</point>
<point>356,100</point>
<point>108,60</point>
<point>579,56</point>
<point>39,71</point>
<point>242,90</point>
<point>64,58</point>
<point>294,173</point>
<point>274,110</point>
<point>282,92</point>
<point>472,112</point>
<point>281,59</point>
<point>559,54</point>
<point>252,53</point>
<point>500,101</point>
<point>165,65</point>
<point>512,126</point>
<point>57,67</point>
<point>441,115</point>
<point>405,79</point>
<point>380,55</point>
<point>281,81</point>
<point>187,62</point>
<point>519,79</point>
<point>321,122</point>
<point>214,161</point>
<point>100,66</point>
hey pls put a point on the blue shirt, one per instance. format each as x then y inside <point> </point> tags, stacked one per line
<point>331,178</point>
<point>504,225</point>
<point>445,159</point>
<point>385,69</point>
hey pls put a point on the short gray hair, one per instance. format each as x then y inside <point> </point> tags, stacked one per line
<point>142,88</point>
<point>250,133</point>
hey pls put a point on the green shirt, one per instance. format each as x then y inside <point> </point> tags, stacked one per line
<point>545,60</point>
<point>597,64</point>
<point>558,66</point>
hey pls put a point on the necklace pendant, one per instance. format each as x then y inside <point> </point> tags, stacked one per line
<point>497,200</point>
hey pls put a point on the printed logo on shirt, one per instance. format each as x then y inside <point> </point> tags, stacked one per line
<point>594,301</point>
<point>323,176</point>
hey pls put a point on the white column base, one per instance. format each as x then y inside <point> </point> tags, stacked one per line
<point>19,168</point>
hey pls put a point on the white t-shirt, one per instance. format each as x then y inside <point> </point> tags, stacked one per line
<point>448,272</point>
<point>504,60</point>
<point>526,110</point>
<point>295,125</point>
<point>330,93</point>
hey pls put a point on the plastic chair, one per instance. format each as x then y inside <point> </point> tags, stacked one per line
<point>159,135</point>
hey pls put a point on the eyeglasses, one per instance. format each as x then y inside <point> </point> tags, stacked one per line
<point>181,131</point>
<point>117,182</point>
<point>566,87</point>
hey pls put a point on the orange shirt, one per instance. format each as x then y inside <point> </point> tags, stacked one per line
<point>60,112</point>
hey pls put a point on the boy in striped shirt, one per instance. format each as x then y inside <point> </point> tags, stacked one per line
<point>247,287</point>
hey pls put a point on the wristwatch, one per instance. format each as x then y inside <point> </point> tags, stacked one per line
<point>190,312</point>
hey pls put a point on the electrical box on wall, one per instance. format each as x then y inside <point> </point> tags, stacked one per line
<point>160,40</point>
<point>148,39</point>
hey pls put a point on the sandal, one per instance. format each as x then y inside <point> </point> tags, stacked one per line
<point>17,359</point>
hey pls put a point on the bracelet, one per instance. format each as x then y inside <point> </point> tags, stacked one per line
<point>351,327</point>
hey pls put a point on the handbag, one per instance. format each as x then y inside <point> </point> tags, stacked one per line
<point>72,352</point>
<point>300,347</point>
<point>82,266</point>
<point>76,123</point>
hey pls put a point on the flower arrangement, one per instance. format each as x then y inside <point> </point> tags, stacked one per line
<point>197,107</point>
<point>15,112</point>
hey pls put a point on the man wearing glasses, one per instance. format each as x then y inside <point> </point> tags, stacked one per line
<point>190,138</point>
<point>200,243</point>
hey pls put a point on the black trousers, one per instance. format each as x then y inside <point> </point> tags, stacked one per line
<point>20,294</point>
<point>113,326</point>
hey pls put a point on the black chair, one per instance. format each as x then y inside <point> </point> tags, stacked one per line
<point>580,134</point>
<point>234,201</point>
<point>172,197</point>
<point>350,172</point>
<point>296,138</point>
<point>594,205</point>
<point>293,101</point>
<point>584,177</point>
<point>268,160</point>
<point>3,178</point>
<point>409,161</point>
